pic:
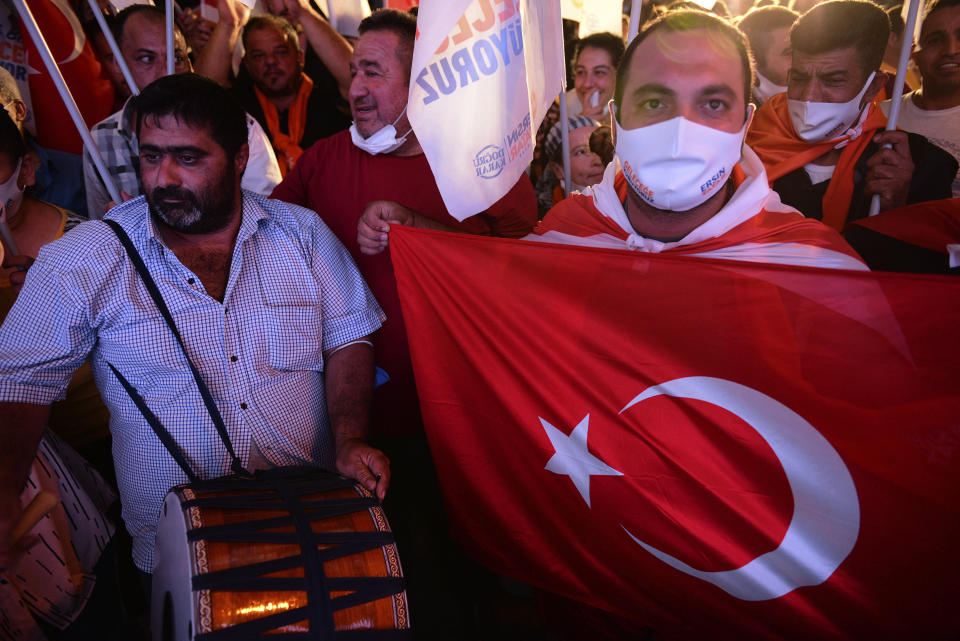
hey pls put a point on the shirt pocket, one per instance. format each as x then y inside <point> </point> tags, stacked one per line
<point>294,328</point>
<point>144,349</point>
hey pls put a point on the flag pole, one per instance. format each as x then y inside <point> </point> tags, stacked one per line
<point>896,97</point>
<point>31,23</point>
<point>565,143</point>
<point>169,30</point>
<point>112,43</point>
<point>635,10</point>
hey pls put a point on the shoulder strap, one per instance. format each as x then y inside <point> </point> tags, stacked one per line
<point>205,394</point>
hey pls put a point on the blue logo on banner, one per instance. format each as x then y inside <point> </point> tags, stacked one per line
<point>489,161</point>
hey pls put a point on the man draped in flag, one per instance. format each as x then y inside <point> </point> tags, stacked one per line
<point>822,141</point>
<point>688,183</point>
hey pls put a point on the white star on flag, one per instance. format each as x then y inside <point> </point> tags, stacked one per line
<point>572,458</point>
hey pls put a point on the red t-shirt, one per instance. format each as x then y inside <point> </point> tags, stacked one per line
<point>336,179</point>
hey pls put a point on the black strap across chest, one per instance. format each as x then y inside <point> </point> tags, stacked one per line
<point>168,442</point>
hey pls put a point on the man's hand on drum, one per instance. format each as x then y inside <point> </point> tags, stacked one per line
<point>366,464</point>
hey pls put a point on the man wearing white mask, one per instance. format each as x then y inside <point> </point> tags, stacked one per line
<point>688,184</point>
<point>823,142</point>
<point>768,30</point>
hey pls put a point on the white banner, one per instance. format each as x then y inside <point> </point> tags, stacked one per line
<point>346,15</point>
<point>571,9</point>
<point>600,16</point>
<point>484,74</point>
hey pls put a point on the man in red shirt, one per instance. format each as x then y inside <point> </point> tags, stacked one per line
<point>380,159</point>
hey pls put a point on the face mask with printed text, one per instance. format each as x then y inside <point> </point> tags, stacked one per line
<point>678,164</point>
<point>816,121</point>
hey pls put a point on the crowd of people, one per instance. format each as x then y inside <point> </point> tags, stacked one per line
<point>259,184</point>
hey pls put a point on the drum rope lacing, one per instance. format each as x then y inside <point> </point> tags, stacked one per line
<point>284,487</point>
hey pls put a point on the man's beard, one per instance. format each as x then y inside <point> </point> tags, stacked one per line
<point>203,213</point>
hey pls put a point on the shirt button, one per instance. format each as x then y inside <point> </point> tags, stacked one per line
<point>191,281</point>
<point>243,406</point>
<point>233,359</point>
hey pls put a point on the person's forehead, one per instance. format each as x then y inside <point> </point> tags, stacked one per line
<point>168,130</point>
<point>141,32</point>
<point>667,57</point>
<point>378,46</point>
<point>947,19</point>
<point>265,36</point>
<point>843,59</point>
<point>593,57</point>
<point>581,135</point>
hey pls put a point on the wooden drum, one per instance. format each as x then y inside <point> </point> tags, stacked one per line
<point>290,553</point>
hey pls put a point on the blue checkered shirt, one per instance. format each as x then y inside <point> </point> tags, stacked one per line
<point>293,292</point>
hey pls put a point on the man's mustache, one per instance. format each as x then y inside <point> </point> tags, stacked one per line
<point>175,193</point>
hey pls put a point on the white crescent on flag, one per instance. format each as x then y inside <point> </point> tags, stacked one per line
<point>826,511</point>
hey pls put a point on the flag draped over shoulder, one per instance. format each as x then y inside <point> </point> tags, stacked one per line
<point>484,74</point>
<point>713,448</point>
<point>772,137</point>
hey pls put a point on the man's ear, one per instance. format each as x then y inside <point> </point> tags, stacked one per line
<point>19,111</point>
<point>240,160</point>
<point>878,83</point>
<point>28,170</point>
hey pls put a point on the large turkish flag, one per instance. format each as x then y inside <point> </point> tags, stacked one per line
<point>709,447</point>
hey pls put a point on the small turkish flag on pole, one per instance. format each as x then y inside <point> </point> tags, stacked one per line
<point>708,447</point>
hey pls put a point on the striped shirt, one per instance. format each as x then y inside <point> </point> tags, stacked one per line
<point>293,291</point>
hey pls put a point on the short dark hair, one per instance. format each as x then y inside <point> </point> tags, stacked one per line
<point>270,21</point>
<point>896,20</point>
<point>688,20</point>
<point>935,6</point>
<point>199,102</point>
<point>612,44</point>
<point>11,140</point>
<point>401,23</point>
<point>757,24</point>
<point>836,24</point>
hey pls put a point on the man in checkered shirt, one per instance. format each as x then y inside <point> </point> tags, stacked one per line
<point>271,308</point>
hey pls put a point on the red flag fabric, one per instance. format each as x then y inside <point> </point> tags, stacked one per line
<point>713,448</point>
<point>92,92</point>
<point>932,224</point>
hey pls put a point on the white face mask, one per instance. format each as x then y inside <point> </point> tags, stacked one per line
<point>678,164</point>
<point>11,196</point>
<point>765,88</point>
<point>816,121</point>
<point>382,141</point>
